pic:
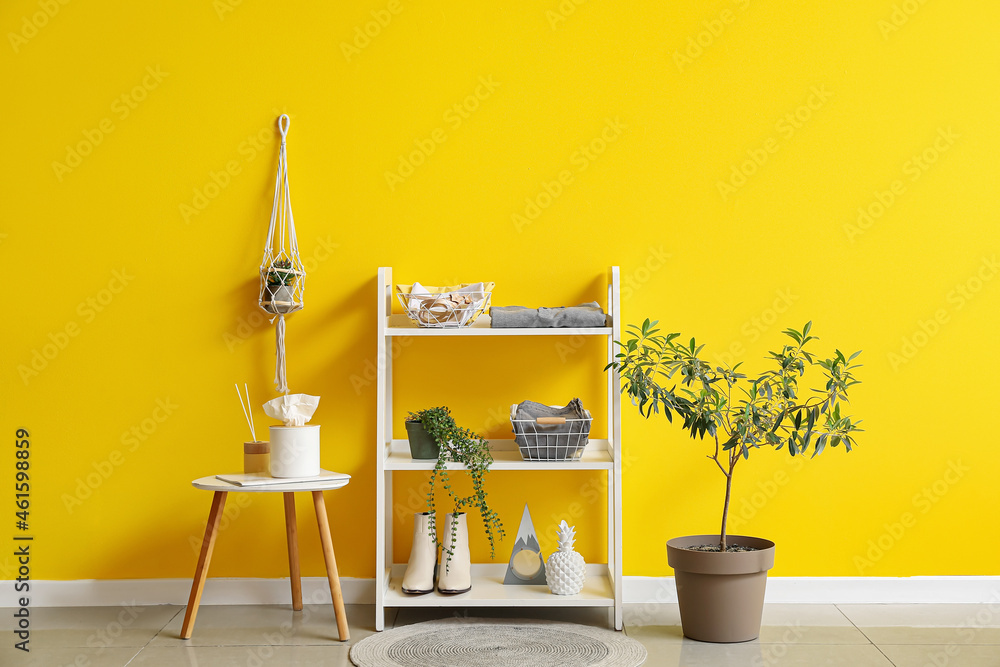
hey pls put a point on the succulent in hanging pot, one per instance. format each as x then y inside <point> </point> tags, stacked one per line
<point>279,293</point>
<point>281,273</point>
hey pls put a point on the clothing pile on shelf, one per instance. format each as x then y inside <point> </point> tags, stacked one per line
<point>584,315</point>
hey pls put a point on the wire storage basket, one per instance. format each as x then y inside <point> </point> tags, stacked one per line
<point>551,438</point>
<point>441,307</point>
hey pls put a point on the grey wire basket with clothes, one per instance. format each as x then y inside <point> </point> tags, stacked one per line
<point>550,432</point>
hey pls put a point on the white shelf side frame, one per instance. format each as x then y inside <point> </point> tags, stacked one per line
<point>615,445</point>
<point>383,436</point>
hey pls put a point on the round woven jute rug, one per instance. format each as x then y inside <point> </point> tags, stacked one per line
<point>475,642</point>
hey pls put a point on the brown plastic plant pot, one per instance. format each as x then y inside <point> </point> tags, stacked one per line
<point>721,595</point>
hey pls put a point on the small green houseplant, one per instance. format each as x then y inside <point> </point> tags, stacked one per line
<point>281,273</point>
<point>278,297</point>
<point>739,414</point>
<point>458,445</point>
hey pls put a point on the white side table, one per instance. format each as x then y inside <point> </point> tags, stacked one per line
<point>316,487</point>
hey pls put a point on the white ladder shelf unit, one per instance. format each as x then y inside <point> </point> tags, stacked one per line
<point>603,587</point>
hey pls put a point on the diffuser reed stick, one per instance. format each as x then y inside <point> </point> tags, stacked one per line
<point>253,432</point>
<point>247,409</point>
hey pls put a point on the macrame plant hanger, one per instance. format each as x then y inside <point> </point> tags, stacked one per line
<point>282,276</point>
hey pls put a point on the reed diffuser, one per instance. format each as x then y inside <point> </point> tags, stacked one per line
<point>256,453</point>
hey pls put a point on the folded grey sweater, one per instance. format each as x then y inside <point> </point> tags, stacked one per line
<point>550,441</point>
<point>584,315</point>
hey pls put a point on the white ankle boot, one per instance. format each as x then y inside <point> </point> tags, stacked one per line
<point>419,577</point>
<point>455,576</point>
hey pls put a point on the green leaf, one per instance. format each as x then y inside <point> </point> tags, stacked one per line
<point>820,445</point>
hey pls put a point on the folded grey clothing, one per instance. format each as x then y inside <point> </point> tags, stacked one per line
<point>532,410</point>
<point>584,315</point>
<point>550,442</point>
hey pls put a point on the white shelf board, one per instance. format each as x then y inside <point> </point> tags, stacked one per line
<point>488,590</point>
<point>505,457</point>
<point>401,325</point>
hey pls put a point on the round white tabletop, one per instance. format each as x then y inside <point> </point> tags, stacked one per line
<point>327,481</point>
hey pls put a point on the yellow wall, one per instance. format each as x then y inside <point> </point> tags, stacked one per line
<point>134,267</point>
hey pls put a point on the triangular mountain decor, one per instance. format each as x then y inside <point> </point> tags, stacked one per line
<point>527,564</point>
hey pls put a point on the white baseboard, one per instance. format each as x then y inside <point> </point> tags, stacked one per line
<point>840,590</point>
<point>111,592</point>
<point>636,590</point>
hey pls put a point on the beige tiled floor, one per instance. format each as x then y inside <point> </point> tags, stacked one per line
<point>911,635</point>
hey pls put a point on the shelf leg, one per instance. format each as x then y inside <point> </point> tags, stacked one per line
<point>201,571</point>
<point>331,566</point>
<point>292,531</point>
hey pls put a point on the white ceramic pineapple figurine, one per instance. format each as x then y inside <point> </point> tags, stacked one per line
<point>565,569</point>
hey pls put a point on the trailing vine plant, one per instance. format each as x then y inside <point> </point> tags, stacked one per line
<point>458,445</point>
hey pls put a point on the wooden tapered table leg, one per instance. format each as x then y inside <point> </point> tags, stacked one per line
<point>201,571</point>
<point>331,565</point>
<point>293,550</point>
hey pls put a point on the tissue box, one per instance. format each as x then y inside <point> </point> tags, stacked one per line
<point>295,451</point>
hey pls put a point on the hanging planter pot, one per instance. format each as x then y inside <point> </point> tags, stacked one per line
<point>282,275</point>
<point>279,294</point>
<point>720,594</point>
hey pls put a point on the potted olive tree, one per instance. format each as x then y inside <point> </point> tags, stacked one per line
<point>720,578</point>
